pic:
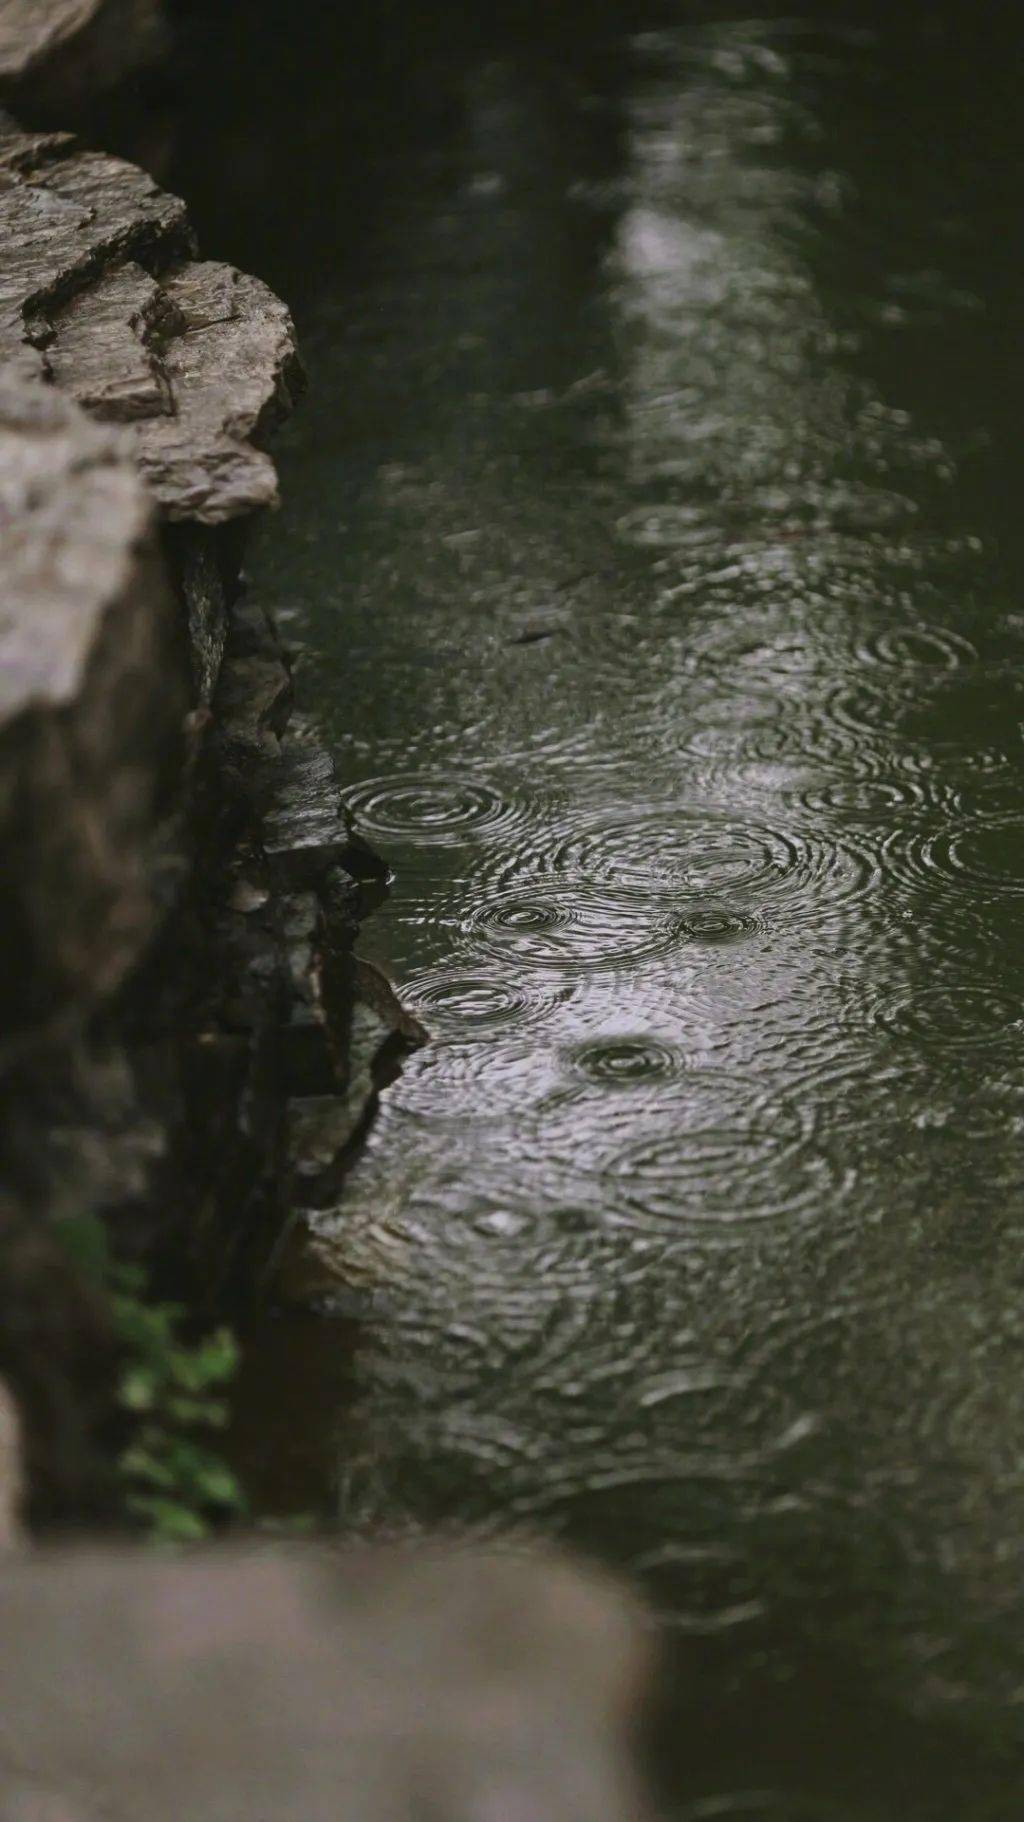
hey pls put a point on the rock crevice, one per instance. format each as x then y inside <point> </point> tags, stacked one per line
<point>180,888</point>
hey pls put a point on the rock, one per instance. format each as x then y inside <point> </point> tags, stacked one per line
<point>232,371</point>
<point>11,1476</point>
<point>100,295</point>
<point>133,380</point>
<point>305,830</point>
<point>102,350</point>
<point>90,710</point>
<point>369,1685</point>
<point>67,218</point>
<point>55,52</point>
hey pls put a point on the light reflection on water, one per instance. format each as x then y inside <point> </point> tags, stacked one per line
<point>695,1234</point>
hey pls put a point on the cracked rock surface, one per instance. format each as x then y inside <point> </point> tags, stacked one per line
<point>100,295</point>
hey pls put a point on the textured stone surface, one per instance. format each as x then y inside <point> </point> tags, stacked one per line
<point>198,364</point>
<point>89,711</point>
<point>373,1686</point>
<point>231,370</point>
<point>67,218</point>
<point>98,293</point>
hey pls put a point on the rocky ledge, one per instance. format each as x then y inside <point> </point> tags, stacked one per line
<point>180,890</point>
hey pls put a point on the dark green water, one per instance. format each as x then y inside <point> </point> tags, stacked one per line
<point>654,525</point>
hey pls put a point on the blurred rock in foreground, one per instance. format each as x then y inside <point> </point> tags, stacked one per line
<point>10,1472</point>
<point>54,52</point>
<point>371,1685</point>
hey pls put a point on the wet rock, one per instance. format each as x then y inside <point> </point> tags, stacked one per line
<point>102,352</point>
<point>305,830</point>
<point>374,989</point>
<point>99,294</point>
<point>378,1685</point>
<point>53,52</point>
<point>68,217</point>
<point>325,1129</point>
<point>232,372</point>
<point>90,710</point>
<point>145,1025</point>
<point>196,562</point>
<point>255,702</point>
<point>198,365</point>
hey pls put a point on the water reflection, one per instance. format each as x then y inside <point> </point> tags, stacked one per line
<point>651,523</point>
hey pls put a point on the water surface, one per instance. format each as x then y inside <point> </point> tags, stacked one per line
<point>653,525</point>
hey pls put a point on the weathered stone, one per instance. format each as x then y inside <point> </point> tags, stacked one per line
<point>67,217</point>
<point>371,1685</point>
<point>200,361</point>
<point>324,1129</point>
<point>99,352</point>
<point>231,372</point>
<point>255,701</point>
<point>200,364</point>
<point>195,558</point>
<point>89,709</point>
<point>55,51</point>
<point>150,1032</point>
<point>305,830</point>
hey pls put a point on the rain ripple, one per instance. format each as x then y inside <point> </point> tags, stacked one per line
<point>678,1147</point>
<point>454,1002</point>
<point>573,925</point>
<point>956,1016</point>
<point>431,808</point>
<point>674,854</point>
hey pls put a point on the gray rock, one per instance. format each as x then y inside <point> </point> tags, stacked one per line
<point>98,293</point>
<point>68,217</point>
<point>102,350</point>
<point>434,1685</point>
<point>89,712</point>
<point>231,371</point>
<point>305,830</point>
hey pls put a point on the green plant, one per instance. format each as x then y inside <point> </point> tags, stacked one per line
<point>171,1394</point>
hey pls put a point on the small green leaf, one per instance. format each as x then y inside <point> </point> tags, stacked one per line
<point>137,1391</point>
<point>216,1483</point>
<point>170,1521</point>
<point>141,1464</point>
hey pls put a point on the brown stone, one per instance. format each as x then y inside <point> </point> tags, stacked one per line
<point>90,711</point>
<point>98,294</point>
